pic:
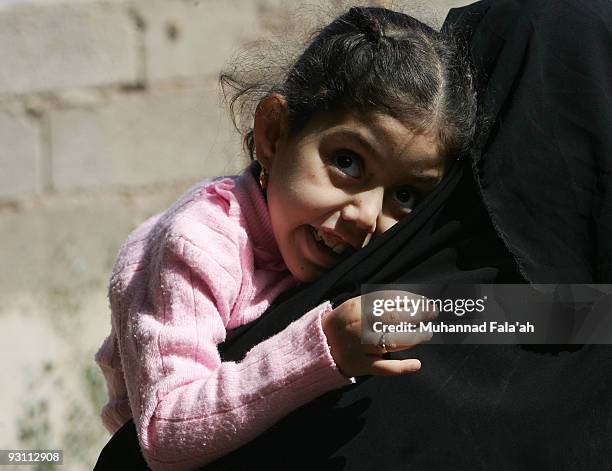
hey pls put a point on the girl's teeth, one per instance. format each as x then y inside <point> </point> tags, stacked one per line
<point>338,249</point>
<point>329,241</point>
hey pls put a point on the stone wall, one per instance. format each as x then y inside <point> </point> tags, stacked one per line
<point>109,110</point>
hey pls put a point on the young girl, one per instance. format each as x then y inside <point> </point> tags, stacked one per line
<point>363,125</point>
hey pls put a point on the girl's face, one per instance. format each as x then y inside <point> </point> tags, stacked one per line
<point>342,179</point>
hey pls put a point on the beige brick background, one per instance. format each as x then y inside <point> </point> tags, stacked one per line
<point>109,110</point>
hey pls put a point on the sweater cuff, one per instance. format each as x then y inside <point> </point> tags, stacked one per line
<point>305,337</point>
<point>322,310</point>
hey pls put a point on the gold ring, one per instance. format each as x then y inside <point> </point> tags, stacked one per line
<point>382,343</point>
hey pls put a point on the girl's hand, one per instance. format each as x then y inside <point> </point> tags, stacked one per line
<point>343,328</point>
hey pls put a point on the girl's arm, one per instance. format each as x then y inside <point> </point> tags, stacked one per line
<point>189,407</point>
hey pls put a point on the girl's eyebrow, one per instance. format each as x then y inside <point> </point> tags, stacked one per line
<point>351,134</point>
<point>427,179</point>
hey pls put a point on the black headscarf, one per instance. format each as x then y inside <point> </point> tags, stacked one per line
<point>537,190</point>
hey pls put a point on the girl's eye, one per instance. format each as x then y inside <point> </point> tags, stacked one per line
<point>405,197</point>
<point>347,162</point>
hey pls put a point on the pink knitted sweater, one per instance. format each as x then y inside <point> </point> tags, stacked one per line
<point>182,280</point>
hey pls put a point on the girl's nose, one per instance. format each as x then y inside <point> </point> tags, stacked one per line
<point>364,209</point>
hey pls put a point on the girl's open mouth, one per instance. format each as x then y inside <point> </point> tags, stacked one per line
<point>329,243</point>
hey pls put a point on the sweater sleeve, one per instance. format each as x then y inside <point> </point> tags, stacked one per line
<point>190,407</point>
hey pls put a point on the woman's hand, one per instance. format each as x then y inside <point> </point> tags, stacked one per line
<point>358,351</point>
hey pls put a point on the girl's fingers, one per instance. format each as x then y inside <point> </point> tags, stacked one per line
<point>382,367</point>
<point>406,339</point>
<point>377,350</point>
<point>396,342</point>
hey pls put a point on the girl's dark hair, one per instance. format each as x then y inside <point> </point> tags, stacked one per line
<point>372,60</point>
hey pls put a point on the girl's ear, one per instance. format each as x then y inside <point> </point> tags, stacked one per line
<point>269,128</point>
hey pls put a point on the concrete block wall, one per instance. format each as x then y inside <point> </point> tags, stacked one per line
<point>92,90</point>
<point>57,47</point>
<point>109,110</point>
<point>140,139</point>
<point>21,159</point>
